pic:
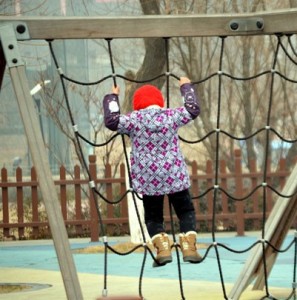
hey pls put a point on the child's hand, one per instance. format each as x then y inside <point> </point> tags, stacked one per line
<point>116,90</point>
<point>184,80</point>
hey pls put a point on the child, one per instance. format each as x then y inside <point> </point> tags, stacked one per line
<point>157,164</point>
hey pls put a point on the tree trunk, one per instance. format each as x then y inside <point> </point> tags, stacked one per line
<point>154,59</point>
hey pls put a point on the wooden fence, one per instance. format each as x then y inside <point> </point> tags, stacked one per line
<point>24,215</point>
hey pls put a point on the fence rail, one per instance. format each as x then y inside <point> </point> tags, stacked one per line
<point>24,216</point>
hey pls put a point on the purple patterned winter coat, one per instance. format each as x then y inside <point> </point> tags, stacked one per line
<point>157,163</point>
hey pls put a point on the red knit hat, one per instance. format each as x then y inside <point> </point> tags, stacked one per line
<point>147,95</point>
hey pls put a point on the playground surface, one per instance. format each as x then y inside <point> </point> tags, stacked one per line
<point>35,263</point>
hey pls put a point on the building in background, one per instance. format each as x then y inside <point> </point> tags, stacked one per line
<point>74,59</point>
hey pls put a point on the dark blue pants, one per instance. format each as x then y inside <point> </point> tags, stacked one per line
<point>183,207</point>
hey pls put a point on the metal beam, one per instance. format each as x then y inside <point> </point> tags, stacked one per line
<point>42,27</point>
<point>48,190</point>
<point>277,226</point>
<point>2,64</point>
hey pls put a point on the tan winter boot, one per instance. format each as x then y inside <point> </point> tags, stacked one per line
<point>162,246</point>
<point>188,247</point>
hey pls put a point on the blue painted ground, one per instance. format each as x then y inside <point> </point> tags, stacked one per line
<point>43,256</point>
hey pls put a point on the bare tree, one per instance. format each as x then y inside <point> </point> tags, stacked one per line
<point>242,107</point>
<point>154,58</point>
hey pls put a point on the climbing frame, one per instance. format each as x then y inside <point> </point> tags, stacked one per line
<point>13,29</point>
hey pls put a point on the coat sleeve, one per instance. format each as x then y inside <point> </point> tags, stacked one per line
<point>111,110</point>
<point>191,101</point>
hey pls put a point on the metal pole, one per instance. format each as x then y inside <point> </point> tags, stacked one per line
<point>40,160</point>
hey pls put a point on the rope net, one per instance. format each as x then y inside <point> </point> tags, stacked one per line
<point>216,134</point>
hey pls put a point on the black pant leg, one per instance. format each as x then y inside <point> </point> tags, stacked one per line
<point>153,214</point>
<point>185,211</point>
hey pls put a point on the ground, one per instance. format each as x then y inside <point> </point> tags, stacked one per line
<point>12,288</point>
<point>122,247</point>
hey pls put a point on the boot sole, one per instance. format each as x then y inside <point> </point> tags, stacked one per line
<point>162,261</point>
<point>192,259</point>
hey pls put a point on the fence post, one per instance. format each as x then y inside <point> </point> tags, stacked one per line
<point>34,193</point>
<point>269,203</point>
<point>93,211</point>
<point>282,171</point>
<point>239,193</point>
<point>195,184</point>
<point>209,196</point>
<point>224,185</point>
<point>5,202</point>
<point>255,196</point>
<point>20,203</point>
<point>63,195</point>
<point>109,196</point>
<point>124,203</point>
<point>77,196</point>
